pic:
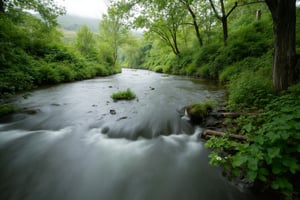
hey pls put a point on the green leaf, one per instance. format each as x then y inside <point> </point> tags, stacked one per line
<point>259,140</point>
<point>253,163</point>
<point>273,136</point>
<point>236,172</point>
<point>238,160</point>
<point>276,169</point>
<point>251,175</point>
<point>282,184</point>
<point>248,128</point>
<point>295,125</point>
<point>273,152</point>
<point>291,163</point>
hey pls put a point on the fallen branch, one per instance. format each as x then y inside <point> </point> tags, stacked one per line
<point>209,133</point>
<point>224,114</point>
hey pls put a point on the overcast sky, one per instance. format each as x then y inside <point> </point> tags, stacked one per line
<point>85,8</point>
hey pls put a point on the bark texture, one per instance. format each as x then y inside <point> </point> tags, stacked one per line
<point>284,24</point>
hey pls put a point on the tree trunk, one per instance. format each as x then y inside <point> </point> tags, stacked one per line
<point>223,17</point>
<point>177,52</point>
<point>284,24</point>
<point>196,27</point>
<point>225,30</point>
<point>2,6</point>
<point>258,14</point>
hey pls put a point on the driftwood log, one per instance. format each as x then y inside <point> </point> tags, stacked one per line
<point>225,114</point>
<point>209,133</point>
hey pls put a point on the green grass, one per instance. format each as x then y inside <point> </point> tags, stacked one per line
<point>123,95</point>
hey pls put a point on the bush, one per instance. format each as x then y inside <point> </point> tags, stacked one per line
<point>271,153</point>
<point>123,95</point>
<point>262,65</point>
<point>47,74</point>
<point>249,90</point>
<point>66,73</point>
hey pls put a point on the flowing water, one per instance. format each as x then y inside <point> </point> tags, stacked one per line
<point>79,144</point>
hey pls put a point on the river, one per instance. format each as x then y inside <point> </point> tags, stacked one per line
<point>75,147</point>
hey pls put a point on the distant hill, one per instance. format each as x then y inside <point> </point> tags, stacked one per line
<point>73,22</point>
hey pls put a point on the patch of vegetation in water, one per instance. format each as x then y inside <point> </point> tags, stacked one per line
<point>6,109</point>
<point>123,95</point>
<point>198,111</point>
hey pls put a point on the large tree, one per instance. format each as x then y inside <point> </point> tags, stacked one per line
<point>112,34</point>
<point>284,23</point>
<point>163,19</point>
<point>188,5</point>
<point>85,41</point>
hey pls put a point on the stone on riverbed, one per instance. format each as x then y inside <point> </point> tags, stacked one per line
<point>198,112</point>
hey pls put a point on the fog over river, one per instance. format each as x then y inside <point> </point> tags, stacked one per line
<point>76,148</point>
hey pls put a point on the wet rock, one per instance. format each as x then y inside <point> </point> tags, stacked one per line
<point>110,86</point>
<point>94,105</point>
<point>105,130</point>
<point>112,112</point>
<point>198,112</point>
<point>152,88</point>
<point>29,111</point>
<point>55,104</point>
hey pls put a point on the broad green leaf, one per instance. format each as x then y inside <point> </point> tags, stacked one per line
<point>273,152</point>
<point>239,160</point>
<point>253,164</point>
<point>251,175</point>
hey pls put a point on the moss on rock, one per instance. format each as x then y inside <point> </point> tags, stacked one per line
<point>198,111</point>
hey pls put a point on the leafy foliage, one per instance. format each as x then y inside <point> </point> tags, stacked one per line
<point>271,153</point>
<point>249,89</point>
<point>32,53</point>
<point>123,95</point>
<point>85,41</point>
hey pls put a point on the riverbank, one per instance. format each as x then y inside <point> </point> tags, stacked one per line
<point>260,146</point>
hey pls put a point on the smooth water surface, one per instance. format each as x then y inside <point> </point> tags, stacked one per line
<point>75,147</point>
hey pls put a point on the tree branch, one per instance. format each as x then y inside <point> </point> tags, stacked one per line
<point>235,5</point>
<point>254,2</point>
<point>215,10</point>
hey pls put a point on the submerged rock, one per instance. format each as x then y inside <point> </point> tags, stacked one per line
<point>112,112</point>
<point>125,117</point>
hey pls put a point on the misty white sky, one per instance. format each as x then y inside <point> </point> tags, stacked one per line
<point>85,8</point>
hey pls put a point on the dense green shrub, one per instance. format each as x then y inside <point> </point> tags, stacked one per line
<point>249,90</point>
<point>32,54</point>
<point>271,153</point>
<point>261,65</point>
<point>66,73</point>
